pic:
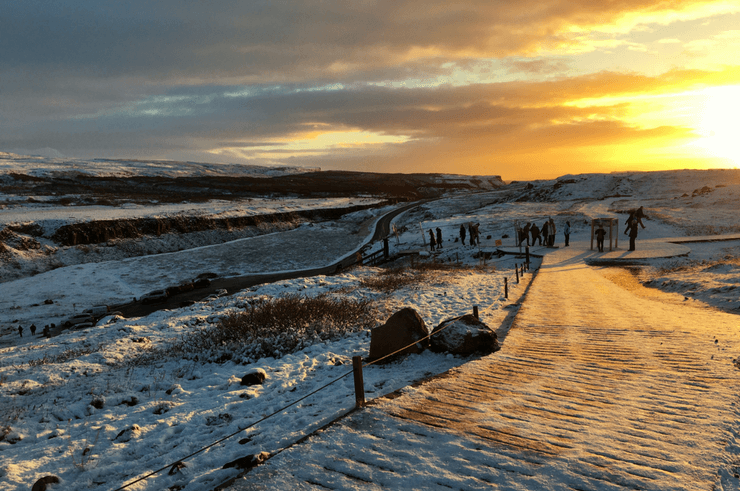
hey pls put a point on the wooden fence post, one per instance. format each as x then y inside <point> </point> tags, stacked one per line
<point>516,268</point>
<point>506,287</point>
<point>359,384</point>
<point>475,311</point>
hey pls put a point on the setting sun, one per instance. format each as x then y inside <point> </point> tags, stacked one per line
<point>719,123</point>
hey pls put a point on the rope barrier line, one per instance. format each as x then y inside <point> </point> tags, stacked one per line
<point>428,336</point>
<point>232,434</point>
<point>273,414</point>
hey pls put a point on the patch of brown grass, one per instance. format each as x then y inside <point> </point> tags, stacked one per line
<point>277,326</point>
<point>394,279</point>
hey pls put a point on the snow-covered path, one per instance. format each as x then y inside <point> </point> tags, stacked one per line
<point>596,387</point>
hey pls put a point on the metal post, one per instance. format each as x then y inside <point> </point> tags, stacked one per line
<point>612,233</point>
<point>516,268</point>
<point>386,252</point>
<point>592,233</point>
<point>616,233</point>
<point>359,384</point>
<point>506,287</point>
<point>527,253</point>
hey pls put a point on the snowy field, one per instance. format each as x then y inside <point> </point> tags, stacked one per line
<point>91,407</point>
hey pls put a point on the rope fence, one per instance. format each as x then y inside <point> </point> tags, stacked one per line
<point>359,390</point>
<point>354,370</point>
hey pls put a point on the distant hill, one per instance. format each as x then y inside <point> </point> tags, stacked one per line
<point>169,181</point>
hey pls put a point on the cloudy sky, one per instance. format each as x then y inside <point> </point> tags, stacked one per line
<point>524,90</point>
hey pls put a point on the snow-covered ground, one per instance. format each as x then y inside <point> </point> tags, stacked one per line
<point>65,401</point>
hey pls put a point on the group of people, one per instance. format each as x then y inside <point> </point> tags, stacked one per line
<point>46,332</point>
<point>473,233</point>
<point>543,235</point>
<point>435,243</point>
<point>633,222</point>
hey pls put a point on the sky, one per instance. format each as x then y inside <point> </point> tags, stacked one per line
<point>517,89</point>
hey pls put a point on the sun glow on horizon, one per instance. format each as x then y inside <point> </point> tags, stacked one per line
<point>719,123</point>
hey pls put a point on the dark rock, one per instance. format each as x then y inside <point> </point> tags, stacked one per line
<point>43,483</point>
<point>404,328</point>
<point>131,401</point>
<point>176,468</point>
<point>255,377</point>
<point>224,418</point>
<point>98,402</point>
<point>248,462</point>
<point>9,435</point>
<point>465,335</point>
<point>127,434</point>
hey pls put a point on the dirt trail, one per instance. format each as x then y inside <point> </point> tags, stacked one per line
<point>595,388</point>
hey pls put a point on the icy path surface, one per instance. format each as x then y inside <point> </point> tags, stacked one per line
<point>595,388</point>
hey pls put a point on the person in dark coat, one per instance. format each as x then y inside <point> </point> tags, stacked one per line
<point>432,242</point>
<point>600,234</point>
<point>636,215</point>
<point>33,329</point>
<point>566,233</point>
<point>471,234</point>
<point>439,238</point>
<point>632,228</point>
<point>462,233</point>
<point>20,331</point>
<point>544,233</point>
<point>535,231</point>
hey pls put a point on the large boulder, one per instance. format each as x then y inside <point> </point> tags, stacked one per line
<point>404,328</point>
<point>465,335</point>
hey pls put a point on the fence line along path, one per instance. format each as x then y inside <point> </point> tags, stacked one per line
<point>596,388</point>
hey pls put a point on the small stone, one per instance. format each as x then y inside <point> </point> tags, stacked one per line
<point>176,468</point>
<point>43,483</point>
<point>255,377</point>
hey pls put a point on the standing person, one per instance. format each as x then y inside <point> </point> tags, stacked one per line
<point>471,234</point>
<point>527,227</point>
<point>439,238</point>
<point>551,232</point>
<point>632,228</point>
<point>432,242</point>
<point>637,216</point>
<point>600,233</point>
<point>535,231</point>
<point>544,233</point>
<point>629,223</point>
<point>33,329</point>
<point>462,233</point>
<point>20,331</point>
<point>566,233</point>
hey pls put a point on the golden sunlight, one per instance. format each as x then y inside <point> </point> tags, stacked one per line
<point>719,123</point>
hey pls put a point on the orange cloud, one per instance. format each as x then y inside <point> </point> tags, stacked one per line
<point>520,130</point>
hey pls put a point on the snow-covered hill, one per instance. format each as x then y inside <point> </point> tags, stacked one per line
<point>93,407</point>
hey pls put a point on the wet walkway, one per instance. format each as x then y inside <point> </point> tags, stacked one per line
<point>595,388</point>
